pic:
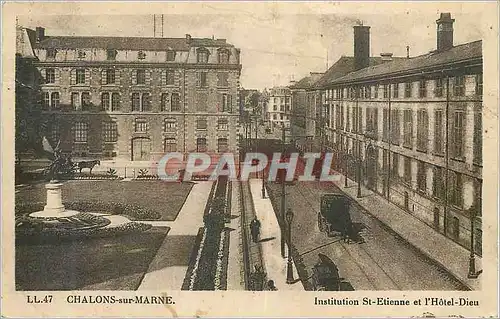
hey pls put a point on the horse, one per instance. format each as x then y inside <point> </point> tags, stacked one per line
<point>88,164</point>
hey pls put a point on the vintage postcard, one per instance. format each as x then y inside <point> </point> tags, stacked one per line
<point>250,159</point>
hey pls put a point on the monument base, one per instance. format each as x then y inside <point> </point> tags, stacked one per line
<point>54,207</point>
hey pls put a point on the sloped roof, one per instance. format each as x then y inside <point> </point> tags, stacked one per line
<point>23,43</point>
<point>463,52</point>
<point>205,42</point>
<point>127,43</point>
<point>343,66</point>
<point>306,82</point>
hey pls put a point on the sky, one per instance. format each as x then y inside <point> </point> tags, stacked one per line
<point>276,46</point>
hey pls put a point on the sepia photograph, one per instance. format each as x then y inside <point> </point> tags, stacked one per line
<point>241,149</point>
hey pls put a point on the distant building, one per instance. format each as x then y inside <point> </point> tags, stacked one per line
<point>301,114</point>
<point>132,98</point>
<point>413,128</point>
<point>279,106</point>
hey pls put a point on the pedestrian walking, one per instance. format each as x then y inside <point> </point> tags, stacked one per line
<point>255,229</point>
<point>271,286</point>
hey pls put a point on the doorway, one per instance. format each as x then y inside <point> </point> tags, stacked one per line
<point>141,149</point>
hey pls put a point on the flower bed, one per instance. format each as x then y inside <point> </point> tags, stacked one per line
<point>133,211</point>
<point>194,260</point>
<point>93,177</point>
<point>210,263</point>
<point>33,230</point>
<point>147,177</point>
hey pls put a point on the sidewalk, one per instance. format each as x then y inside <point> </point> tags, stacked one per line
<point>270,234</point>
<point>168,268</point>
<point>434,245</point>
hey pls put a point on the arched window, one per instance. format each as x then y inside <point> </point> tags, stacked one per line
<point>223,56</point>
<point>202,55</point>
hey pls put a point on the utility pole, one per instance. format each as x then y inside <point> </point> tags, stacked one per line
<point>358,128</point>
<point>283,199</point>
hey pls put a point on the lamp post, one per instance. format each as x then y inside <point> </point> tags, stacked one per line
<point>283,199</point>
<point>473,206</point>
<point>289,267</point>
<point>359,169</point>
<point>472,257</point>
<point>345,161</point>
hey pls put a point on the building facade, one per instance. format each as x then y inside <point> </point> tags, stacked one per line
<point>411,131</point>
<point>279,106</point>
<point>301,114</point>
<point>134,99</point>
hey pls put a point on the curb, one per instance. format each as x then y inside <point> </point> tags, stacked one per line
<point>420,250</point>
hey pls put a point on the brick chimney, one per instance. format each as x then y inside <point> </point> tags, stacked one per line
<point>40,34</point>
<point>361,47</point>
<point>445,32</point>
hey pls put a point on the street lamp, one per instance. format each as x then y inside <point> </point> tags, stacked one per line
<point>358,171</point>
<point>289,269</point>
<point>472,204</point>
<point>359,163</point>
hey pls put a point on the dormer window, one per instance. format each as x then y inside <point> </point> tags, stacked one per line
<point>111,54</point>
<point>202,55</point>
<point>51,53</point>
<point>81,54</point>
<point>223,56</point>
<point>141,55</point>
<point>170,55</point>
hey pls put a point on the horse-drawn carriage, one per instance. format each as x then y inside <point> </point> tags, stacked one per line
<point>325,275</point>
<point>334,217</point>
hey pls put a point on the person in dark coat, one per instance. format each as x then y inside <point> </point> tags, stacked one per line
<point>271,286</point>
<point>255,229</point>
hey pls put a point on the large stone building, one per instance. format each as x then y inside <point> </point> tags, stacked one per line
<point>411,130</point>
<point>131,98</point>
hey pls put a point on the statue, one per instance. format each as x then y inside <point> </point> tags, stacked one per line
<point>60,166</point>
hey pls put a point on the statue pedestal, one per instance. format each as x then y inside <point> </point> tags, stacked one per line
<point>54,207</point>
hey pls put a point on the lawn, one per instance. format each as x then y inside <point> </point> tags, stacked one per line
<point>165,198</point>
<point>111,263</point>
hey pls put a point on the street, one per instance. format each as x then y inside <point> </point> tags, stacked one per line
<point>383,262</point>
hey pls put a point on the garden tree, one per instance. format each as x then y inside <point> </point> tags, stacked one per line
<point>252,102</point>
<point>30,124</point>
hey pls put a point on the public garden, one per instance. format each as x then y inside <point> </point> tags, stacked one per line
<point>106,246</point>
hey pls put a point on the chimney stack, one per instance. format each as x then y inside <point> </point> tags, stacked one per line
<point>386,56</point>
<point>361,47</point>
<point>407,51</point>
<point>40,34</point>
<point>445,32</point>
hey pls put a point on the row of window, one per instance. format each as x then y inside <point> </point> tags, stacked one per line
<point>141,102</point>
<point>202,55</point>
<point>455,185</point>
<point>455,179</point>
<point>393,90</point>
<point>110,129</point>
<point>280,117</point>
<point>457,129</point>
<point>278,100</point>
<point>139,77</point>
<point>282,108</point>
